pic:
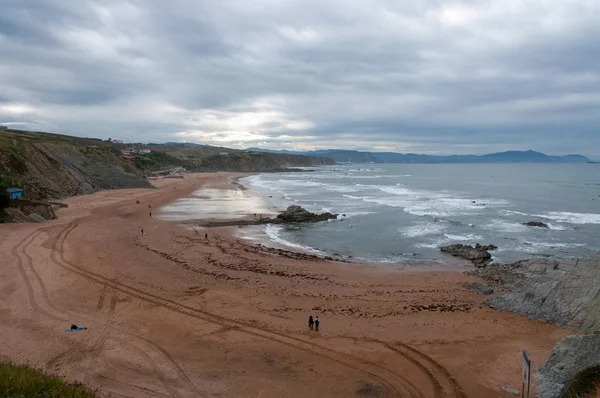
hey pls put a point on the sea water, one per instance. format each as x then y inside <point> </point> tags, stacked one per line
<point>395,212</point>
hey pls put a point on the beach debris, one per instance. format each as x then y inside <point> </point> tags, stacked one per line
<point>536,224</point>
<point>509,390</point>
<point>478,255</point>
<point>75,328</point>
<point>480,288</point>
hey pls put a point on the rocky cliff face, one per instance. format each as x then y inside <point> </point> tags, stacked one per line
<point>26,211</point>
<point>568,359</point>
<point>255,162</point>
<point>52,167</point>
<point>565,292</point>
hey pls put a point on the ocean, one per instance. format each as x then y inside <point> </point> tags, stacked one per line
<point>390,213</point>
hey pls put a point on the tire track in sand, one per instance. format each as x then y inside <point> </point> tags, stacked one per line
<point>394,384</point>
<point>22,245</point>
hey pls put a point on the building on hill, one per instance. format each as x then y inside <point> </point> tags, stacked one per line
<point>15,193</point>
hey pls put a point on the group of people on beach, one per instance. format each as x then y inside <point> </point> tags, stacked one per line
<point>313,324</point>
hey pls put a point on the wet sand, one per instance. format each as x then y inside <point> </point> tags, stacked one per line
<point>172,314</point>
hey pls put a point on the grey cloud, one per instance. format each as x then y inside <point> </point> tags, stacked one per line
<point>432,76</point>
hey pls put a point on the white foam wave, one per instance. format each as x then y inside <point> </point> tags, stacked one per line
<point>463,238</point>
<point>573,218</point>
<point>299,183</point>
<point>514,212</point>
<point>562,217</point>
<point>427,245</point>
<point>273,231</point>
<point>558,227</point>
<point>415,231</point>
<point>504,226</point>
<point>540,247</point>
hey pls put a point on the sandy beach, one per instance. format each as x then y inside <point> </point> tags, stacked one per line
<point>172,314</point>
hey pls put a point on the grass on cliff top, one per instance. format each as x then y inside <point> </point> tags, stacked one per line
<point>21,381</point>
<point>584,384</point>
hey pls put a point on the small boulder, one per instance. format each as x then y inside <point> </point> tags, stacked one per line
<point>537,224</point>
<point>478,255</point>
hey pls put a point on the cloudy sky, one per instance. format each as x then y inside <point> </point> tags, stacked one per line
<point>471,76</point>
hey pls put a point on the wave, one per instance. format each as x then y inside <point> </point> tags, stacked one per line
<point>464,238</point>
<point>419,230</point>
<point>273,232</point>
<point>573,218</point>
<point>505,226</point>
<point>541,247</point>
<point>562,217</point>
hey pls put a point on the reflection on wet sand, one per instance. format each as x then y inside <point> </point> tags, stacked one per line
<point>215,203</point>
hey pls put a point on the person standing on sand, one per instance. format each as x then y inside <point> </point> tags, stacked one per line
<point>206,236</point>
<point>310,322</point>
<point>317,324</point>
<point>150,215</point>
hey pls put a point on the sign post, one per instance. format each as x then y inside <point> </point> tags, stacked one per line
<point>525,376</point>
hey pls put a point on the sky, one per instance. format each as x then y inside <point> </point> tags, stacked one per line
<point>438,77</point>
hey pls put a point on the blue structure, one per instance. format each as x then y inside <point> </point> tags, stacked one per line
<point>15,193</point>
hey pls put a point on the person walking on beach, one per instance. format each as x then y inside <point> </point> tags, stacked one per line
<point>310,322</point>
<point>150,215</point>
<point>317,324</point>
<point>206,236</point>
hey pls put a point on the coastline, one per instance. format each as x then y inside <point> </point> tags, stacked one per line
<point>231,316</point>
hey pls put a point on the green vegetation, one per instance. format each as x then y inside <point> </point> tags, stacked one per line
<point>155,161</point>
<point>21,381</point>
<point>584,384</point>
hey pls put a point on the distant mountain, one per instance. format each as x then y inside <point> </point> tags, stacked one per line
<point>345,156</point>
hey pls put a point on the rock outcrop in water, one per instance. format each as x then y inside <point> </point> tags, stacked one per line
<point>293,214</point>
<point>298,214</point>
<point>478,255</point>
<point>537,224</point>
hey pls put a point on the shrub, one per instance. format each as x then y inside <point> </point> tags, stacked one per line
<point>21,381</point>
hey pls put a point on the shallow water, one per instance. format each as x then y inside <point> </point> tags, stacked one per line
<point>215,203</point>
<point>391,213</point>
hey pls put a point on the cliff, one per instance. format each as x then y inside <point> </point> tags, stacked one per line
<point>562,292</point>
<point>210,158</point>
<point>52,166</point>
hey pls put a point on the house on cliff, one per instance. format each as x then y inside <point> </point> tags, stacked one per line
<point>15,193</point>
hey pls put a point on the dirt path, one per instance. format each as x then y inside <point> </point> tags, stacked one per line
<point>170,314</point>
